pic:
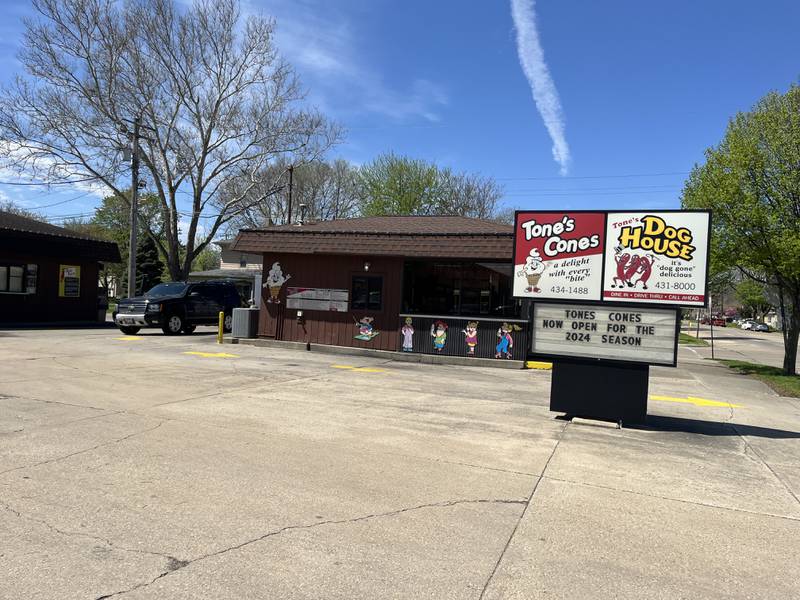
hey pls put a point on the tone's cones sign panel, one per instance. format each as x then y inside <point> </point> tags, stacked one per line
<point>657,257</point>
<point>559,255</point>
<point>643,257</point>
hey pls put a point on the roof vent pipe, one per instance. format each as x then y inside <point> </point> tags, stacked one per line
<point>302,214</point>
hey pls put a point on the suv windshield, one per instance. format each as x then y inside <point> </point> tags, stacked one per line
<point>173,288</point>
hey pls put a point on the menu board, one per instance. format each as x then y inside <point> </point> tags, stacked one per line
<point>657,257</point>
<point>643,257</point>
<point>317,299</point>
<point>559,255</point>
<point>617,333</point>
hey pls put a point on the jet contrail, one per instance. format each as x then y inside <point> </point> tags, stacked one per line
<point>531,58</point>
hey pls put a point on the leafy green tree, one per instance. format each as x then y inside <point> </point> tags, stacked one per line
<point>751,181</point>
<point>208,259</point>
<point>398,185</point>
<point>753,298</point>
<point>149,268</point>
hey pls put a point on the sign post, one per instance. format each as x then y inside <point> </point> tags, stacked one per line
<point>607,290</point>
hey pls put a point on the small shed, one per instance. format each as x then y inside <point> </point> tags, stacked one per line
<point>427,284</point>
<point>48,273</point>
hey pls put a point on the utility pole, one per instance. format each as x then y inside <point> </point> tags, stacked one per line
<point>289,204</point>
<point>134,208</point>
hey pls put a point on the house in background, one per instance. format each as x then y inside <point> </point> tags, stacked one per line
<point>48,273</point>
<point>241,267</point>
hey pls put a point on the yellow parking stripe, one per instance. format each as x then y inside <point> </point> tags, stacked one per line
<point>129,338</point>
<point>213,354</point>
<point>696,401</point>
<point>537,364</point>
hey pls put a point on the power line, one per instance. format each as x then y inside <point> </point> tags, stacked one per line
<point>578,193</point>
<point>49,183</point>
<point>568,178</point>
<point>601,189</point>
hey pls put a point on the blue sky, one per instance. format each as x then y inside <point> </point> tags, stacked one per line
<point>644,87</point>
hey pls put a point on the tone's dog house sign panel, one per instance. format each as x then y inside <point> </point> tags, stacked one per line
<point>617,333</point>
<point>652,257</point>
<point>559,255</point>
<point>657,257</point>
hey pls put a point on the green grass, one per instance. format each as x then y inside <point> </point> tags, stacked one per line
<point>785,385</point>
<point>690,340</point>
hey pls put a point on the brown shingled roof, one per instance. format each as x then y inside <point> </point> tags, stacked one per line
<point>16,229</point>
<point>411,236</point>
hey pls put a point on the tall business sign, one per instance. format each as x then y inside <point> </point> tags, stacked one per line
<point>607,287</point>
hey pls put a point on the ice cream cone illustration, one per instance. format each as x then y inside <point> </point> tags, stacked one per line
<point>533,269</point>
<point>274,283</point>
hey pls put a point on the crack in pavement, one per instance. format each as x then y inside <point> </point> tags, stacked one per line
<point>66,456</point>
<point>81,534</point>
<point>178,565</point>
<point>524,510</point>
<point>670,499</point>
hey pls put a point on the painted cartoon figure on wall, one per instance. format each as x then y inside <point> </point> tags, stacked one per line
<point>533,269</point>
<point>439,335</point>
<point>274,282</point>
<point>366,331</point>
<point>407,330</point>
<point>505,342</point>
<point>471,337</point>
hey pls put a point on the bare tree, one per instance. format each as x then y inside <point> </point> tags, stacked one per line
<point>216,103</point>
<point>329,190</point>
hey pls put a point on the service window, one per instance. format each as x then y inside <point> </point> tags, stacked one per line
<point>367,292</point>
<point>15,280</point>
<point>3,279</point>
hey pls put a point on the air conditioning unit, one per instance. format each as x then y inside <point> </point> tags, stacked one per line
<point>245,323</point>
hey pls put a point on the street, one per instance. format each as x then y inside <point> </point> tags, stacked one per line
<point>739,344</point>
<point>152,466</point>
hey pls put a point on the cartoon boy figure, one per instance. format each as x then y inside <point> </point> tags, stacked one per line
<point>439,335</point>
<point>505,343</point>
<point>365,327</point>
<point>471,337</point>
<point>407,330</point>
<point>274,282</point>
<point>533,269</point>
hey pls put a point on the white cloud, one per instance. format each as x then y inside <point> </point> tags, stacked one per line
<point>326,52</point>
<point>531,58</point>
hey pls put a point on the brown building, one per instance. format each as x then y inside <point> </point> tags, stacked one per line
<point>426,284</point>
<point>48,273</point>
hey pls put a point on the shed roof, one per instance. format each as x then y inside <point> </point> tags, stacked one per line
<point>410,236</point>
<point>16,229</point>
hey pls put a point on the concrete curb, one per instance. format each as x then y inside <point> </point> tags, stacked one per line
<point>430,359</point>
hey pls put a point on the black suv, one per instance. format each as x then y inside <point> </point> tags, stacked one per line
<point>179,307</point>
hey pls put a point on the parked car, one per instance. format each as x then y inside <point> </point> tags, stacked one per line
<point>748,324</point>
<point>178,306</point>
<point>760,327</point>
<point>718,322</point>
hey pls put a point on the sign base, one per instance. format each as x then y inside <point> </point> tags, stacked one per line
<point>600,390</point>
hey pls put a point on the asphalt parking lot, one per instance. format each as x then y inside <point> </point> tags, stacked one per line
<point>171,467</point>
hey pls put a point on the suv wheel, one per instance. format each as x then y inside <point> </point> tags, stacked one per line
<point>173,325</point>
<point>227,324</point>
<point>130,330</point>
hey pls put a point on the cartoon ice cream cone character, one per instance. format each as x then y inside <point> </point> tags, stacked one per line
<point>274,282</point>
<point>471,337</point>
<point>407,330</point>
<point>439,335</point>
<point>533,269</point>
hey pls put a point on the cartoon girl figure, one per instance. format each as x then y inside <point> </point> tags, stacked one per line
<point>505,343</point>
<point>471,337</point>
<point>366,331</point>
<point>622,259</point>
<point>407,330</point>
<point>645,270</point>
<point>439,335</point>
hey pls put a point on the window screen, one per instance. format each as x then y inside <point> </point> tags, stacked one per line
<point>3,279</point>
<point>15,279</point>
<point>367,293</point>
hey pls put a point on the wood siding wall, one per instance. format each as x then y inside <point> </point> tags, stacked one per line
<point>333,328</point>
<point>45,305</point>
